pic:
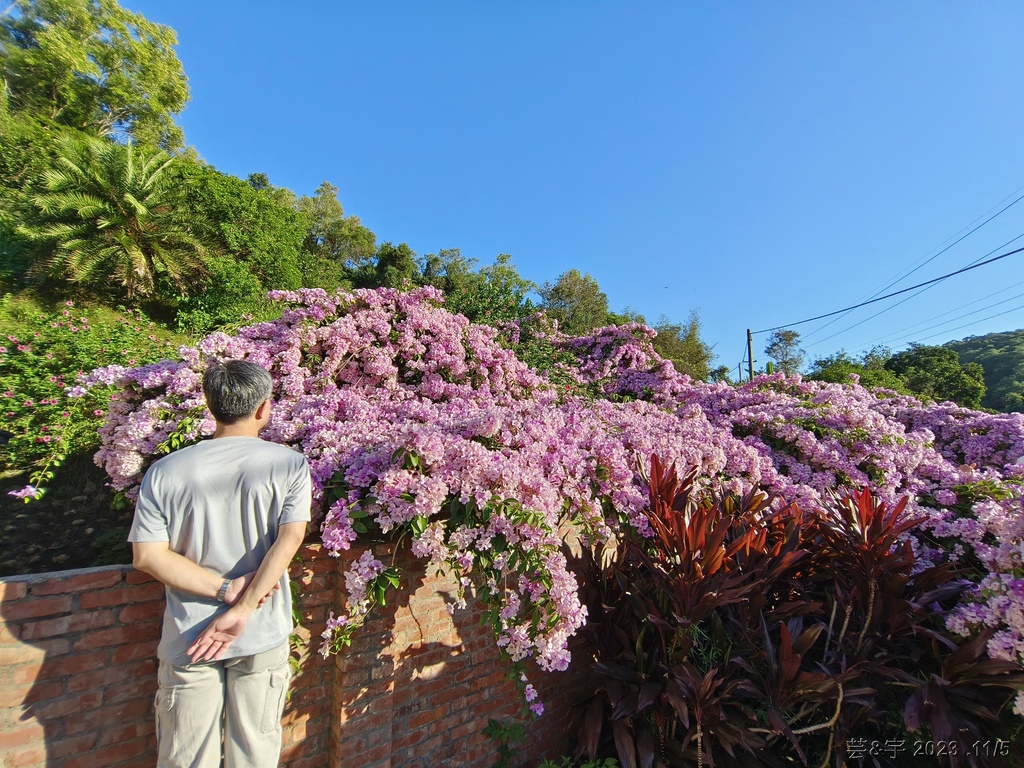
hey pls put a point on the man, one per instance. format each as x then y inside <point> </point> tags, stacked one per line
<point>218,523</point>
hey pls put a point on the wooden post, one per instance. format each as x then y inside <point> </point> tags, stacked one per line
<point>750,354</point>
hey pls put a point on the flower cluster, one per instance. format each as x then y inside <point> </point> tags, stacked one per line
<point>415,420</point>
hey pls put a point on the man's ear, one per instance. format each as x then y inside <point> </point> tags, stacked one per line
<point>263,411</point>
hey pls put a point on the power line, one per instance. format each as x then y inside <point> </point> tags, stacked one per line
<point>957,309</point>
<point>975,322</point>
<point>895,293</point>
<point>899,335</point>
<point>908,298</point>
<point>900,276</point>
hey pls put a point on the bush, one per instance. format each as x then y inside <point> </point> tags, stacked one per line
<point>743,635</point>
<point>40,359</point>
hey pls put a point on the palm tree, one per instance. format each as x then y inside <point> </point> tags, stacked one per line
<point>110,213</point>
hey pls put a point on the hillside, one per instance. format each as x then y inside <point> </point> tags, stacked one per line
<point>1002,357</point>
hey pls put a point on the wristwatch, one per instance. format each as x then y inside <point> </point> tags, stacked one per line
<point>222,593</point>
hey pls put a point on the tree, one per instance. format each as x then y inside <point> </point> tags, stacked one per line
<point>870,369</point>
<point>681,343</point>
<point>330,234</point>
<point>108,212</point>
<point>1001,355</point>
<point>396,266</point>
<point>259,238</point>
<point>936,373</point>
<point>93,66</point>
<point>576,301</point>
<point>493,294</point>
<point>784,348</point>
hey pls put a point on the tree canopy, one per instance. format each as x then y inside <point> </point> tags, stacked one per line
<point>784,348</point>
<point>93,66</point>
<point>930,373</point>
<point>576,301</point>
<point>109,212</point>
<point>1001,356</point>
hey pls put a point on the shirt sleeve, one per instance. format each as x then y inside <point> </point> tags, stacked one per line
<point>150,522</point>
<point>297,504</point>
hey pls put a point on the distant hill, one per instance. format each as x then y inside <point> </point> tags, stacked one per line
<point>1002,357</point>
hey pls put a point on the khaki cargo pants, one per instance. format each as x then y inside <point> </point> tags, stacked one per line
<point>244,695</point>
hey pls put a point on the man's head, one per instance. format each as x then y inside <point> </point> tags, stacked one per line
<point>235,390</point>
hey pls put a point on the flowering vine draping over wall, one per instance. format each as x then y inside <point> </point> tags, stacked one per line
<point>417,422</point>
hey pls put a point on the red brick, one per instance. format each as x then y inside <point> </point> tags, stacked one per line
<point>426,718</point>
<point>32,609</point>
<point>33,757</point>
<point>109,755</point>
<point>29,693</point>
<point>80,702</point>
<point>72,747</point>
<point>63,625</point>
<point>141,611</point>
<point>115,734</point>
<point>28,732</point>
<point>97,719</point>
<point>316,760</point>
<point>79,582</point>
<point>35,651</point>
<point>12,590</point>
<point>132,633</point>
<point>322,597</point>
<point>142,650</point>
<point>62,667</point>
<point>132,576</point>
<point>122,595</point>
<point>112,675</point>
<point>143,686</point>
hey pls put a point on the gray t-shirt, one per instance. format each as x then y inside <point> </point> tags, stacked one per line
<point>219,503</point>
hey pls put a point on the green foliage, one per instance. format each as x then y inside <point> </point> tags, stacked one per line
<point>42,353</point>
<point>576,301</point>
<point>506,733</point>
<point>395,267</point>
<point>93,66</point>
<point>331,236</point>
<point>784,348</point>
<point>109,213</point>
<point>112,547</point>
<point>870,369</point>
<point>250,226</point>
<point>1001,356</point>
<point>233,296</point>
<point>738,635</point>
<point>495,294</point>
<point>935,373</point>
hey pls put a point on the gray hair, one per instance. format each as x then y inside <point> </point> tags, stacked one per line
<point>235,389</point>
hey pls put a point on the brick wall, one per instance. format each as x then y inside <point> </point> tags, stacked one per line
<point>417,687</point>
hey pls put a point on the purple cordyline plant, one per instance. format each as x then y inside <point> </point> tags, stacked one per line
<point>416,422</point>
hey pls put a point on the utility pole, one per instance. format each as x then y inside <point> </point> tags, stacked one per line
<point>750,354</point>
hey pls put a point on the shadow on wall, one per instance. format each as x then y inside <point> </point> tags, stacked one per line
<point>78,661</point>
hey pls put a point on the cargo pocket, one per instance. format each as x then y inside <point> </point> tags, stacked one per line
<point>163,703</point>
<point>273,705</point>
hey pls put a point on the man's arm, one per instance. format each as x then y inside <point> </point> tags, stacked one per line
<point>228,626</point>
<point>168,567</point>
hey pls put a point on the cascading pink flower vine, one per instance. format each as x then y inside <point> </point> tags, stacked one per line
<point>414,419</point>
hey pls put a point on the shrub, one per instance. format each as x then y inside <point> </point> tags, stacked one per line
<point>40,359</point>
<point>743,635</point>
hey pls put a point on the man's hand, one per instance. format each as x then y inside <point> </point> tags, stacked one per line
<point>240,584</point>
<point>218,636</point>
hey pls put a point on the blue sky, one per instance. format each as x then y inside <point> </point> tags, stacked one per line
<point>761,163</point>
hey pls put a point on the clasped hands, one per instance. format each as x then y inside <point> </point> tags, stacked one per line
<point>227,627</point>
